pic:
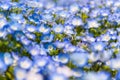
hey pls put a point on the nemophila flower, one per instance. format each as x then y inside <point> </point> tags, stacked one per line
<point>25,63</point>
<point>51,66</point>
<point>58,28</point>
<point>42,50</point>
<point>78,49</point>
<point>17,34</point>
<point>35,17</point>
<point>34,4</point>
<point>48,17</point>
<point>93,57</point>
<point>79,59</point>
<point>30,28</point>
<point>118,38</point>
<point>41,61</point>
<point>89,38</point>
<point>109,3</point>
<point>49,47</point>
<point>30,36</point>
<point>94,13</point>
<point>112,31</point>
<point>59,44</point>
<point>49,5</point>
<point>106,55</point>
<point>105,37</point>
<point>3,66</point>
<point>64,14</point>
<point>15,57</point>
<point>114,63</point>
<point>92,4</point>
<point>15,26</point>
<point>69,48</point>
<point>104,12</point>
<point>77,73</point>
<point>113,44</point>
<point>98,46</point>
<point>85,9</point>
<point>57,77</point>
<point>25,41</point>
<point>117,4</point>
<point>47,38</point>
<point>5,6</point>
<point>92,24</point>
<point>114,18</point>
<point>34,50</point>
<point>96,76</point>
<point>3,22</point>
<point>74,8</point>
<point>76,21</point>
<point>44,29</point>
<point>66,71</point>
<point>20,74</point>
<point>8,60</point>
<point>33,76</point>
<point>62,58</point>
<point>68,29</point>
<point>3,33</point>
<point>16,17</point>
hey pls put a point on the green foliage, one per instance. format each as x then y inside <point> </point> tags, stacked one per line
<point>80,30</point>
<point>54,52</point>
<point>15,0</point>
<point>9,74</point>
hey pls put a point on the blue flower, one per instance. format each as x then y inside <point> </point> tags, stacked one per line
<point>8,60</point>
<point>58,28</point>
<point>98,46</point>
<point>30,36</point>
<point>47,38</point>
<point>69,48</point>
<point>34,50</point>
<point>3,22</point>
<point>62,58</point>
<point>57,77</point>
<point>92,24</point>
<point>35,17</point>
<point>69,29</point>
<point>44,29</point>
<point>74,8</point>
<point>79,59</point>
<point>20,74</point>
<point>49,47</point>
<point>30,28</point>
<point>15,26</point>
<point>17,35</point>
<point>41,61</point>
<point>59,44</point>
<point>25,41</point>
<point>64,14</point>
<point>48,17</point>
<point>3,34</point>
<point>76,21</point>
<point>96,76</point>
<point>5,6</point>
<point>25,63</point>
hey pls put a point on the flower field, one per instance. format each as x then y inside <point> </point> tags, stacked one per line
<point>59,39</point>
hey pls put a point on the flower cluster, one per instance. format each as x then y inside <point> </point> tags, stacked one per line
<point>59,40</point>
